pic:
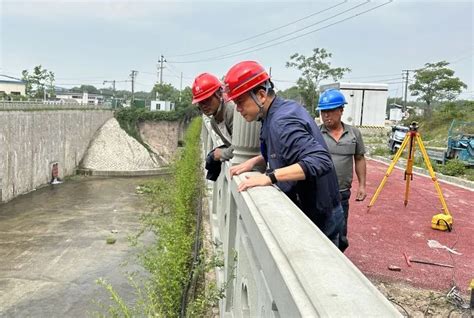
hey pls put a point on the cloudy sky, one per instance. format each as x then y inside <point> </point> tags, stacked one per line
<point>87,42</point>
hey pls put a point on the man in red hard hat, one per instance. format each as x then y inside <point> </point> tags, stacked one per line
<point>292,148</point>
<point>208,96</point>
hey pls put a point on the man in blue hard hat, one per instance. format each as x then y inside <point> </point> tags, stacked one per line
<point>346,148</point>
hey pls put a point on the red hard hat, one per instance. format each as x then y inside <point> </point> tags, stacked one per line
<point>243,77</point>
<point>204,86</point>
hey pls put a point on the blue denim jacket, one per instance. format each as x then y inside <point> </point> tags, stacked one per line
<point>289,135</point>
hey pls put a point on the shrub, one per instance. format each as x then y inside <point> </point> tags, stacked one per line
<point>453,167</point>
<point>470,174</point>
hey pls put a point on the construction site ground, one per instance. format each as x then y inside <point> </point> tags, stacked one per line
<point>380,238</point>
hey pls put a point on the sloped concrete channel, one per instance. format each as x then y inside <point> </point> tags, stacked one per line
<point>53,246</point>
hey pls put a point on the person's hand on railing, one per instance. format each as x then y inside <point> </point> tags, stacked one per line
<point>241,168</point>
<point>254,181</point>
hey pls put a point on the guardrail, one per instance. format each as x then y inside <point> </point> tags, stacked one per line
<point>277,262</point>
<point>32,105</point>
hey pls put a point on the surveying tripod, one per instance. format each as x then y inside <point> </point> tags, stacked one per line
<point>440,221</point>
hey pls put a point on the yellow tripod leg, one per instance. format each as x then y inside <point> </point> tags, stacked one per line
<point>432,174</point>
<point>409,168</point>
<point>389,171</point>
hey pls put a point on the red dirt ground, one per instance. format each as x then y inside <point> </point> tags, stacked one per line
<point>379,238</point>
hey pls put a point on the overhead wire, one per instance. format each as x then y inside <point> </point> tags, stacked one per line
<point>261,34</point>
<point>371,76</point>
<point>250,50</point>
<point>173,69</point>
<point>219,57</point>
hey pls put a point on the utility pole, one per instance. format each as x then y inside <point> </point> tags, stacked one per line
<point>180,86</point>
<point>406,76</point>
<point>132,75</point>
<point>113,92</point>
<point>162,59</point>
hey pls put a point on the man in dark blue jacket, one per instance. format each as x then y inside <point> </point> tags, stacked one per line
<point>292,148</point>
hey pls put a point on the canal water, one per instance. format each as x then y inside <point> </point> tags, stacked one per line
<point>53,246</point>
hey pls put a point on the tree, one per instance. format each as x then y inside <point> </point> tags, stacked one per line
<point>314,69</point>
<point>436,82</point>
<point>85,88</point>
<point>38,82</point>
<point>291,93</point>
<point>165,92</point>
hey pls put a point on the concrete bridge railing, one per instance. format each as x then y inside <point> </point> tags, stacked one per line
<point>35,105</point>
<point>277,263</point>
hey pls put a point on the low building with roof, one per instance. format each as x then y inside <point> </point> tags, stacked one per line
<point>11,86</point>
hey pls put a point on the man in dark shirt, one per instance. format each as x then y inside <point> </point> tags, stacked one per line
<point>292,148</point>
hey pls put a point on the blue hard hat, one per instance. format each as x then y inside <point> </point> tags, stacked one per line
<point>331,99</point>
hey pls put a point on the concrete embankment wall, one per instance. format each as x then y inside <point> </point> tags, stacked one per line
<point>31,141</point>
<point>162,136</point>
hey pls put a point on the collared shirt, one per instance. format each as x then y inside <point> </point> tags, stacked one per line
<point>343,151</point>
<point>224,130</point>
<point>289,135</point>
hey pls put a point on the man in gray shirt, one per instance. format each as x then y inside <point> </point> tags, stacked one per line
<point>346,147</point>
<point>208,96</point>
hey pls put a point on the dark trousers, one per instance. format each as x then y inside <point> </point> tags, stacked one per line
<point>343,241</point>
<point>331,224</point>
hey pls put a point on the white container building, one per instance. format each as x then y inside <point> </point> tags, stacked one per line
<point>161,105</point>
<point>366,102</point>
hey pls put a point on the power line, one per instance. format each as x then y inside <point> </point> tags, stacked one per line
<point>462,58</point>
<point>232,54</point>
<point>172,69</point>
<point>94,83</point>
<point>313,31</point>
<point>371,76</point>
<point>287,40</point>
<point>15,78</point>
<point>283,81</point>
<point>80,78</point>
<point>263,33</point>
<point>386,80</point>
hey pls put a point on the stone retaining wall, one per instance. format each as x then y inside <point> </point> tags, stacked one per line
<point>31,141</point>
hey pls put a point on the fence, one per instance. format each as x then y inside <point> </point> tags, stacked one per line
<point>50,105</point>
<point>277,262</point>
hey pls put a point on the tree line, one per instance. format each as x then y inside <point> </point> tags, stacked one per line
<point>435,82</point>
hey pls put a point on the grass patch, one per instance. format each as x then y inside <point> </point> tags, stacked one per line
<point>176,262</point>
<point>381,151</point>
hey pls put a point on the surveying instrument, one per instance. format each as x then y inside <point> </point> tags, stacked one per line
<point>441,221</point>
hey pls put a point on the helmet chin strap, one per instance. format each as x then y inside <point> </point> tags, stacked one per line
<point>260,105</point>
<point>218,108</point>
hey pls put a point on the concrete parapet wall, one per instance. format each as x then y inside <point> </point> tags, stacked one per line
<point>54,105</point>
<point>277,262</point>
<point>31,141</point>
